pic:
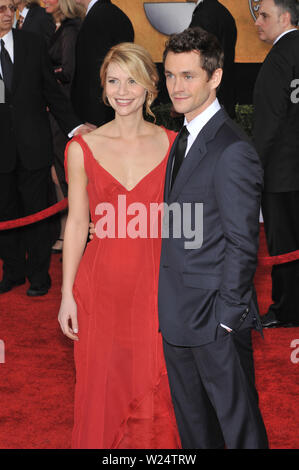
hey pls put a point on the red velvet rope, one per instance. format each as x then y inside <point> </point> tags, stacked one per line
<point>59,206</point>
<point>278,259</point>
<point>30,219</point>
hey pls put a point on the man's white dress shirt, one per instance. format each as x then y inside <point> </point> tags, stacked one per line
<point>8,42</point>
<point>90,5</point>
<point>196,125</point>
<point>283,34</point>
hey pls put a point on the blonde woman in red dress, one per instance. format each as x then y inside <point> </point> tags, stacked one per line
<point>109,292</point>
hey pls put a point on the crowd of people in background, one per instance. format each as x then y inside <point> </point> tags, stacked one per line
<point>69,28</point>
<point>73,39</point>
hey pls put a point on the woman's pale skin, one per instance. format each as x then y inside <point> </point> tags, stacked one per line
<point>128,148</point>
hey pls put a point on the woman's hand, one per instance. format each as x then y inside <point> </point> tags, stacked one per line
<point>67,317</point>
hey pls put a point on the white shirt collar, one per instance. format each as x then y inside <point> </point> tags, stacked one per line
<point>8,41</point>
<point>198,2</point>
<point>196,125</point>
<point>24,12</point>
<point>283,34</point>
<point>90,5</point>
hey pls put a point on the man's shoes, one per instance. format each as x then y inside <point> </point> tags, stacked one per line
<point>270,321</point>
<point>36,290</point>
<point>6,285</point>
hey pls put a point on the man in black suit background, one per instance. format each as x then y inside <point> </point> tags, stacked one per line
<point>26,151</point>
<point>212,16</point>
<point>104,26</point>
<point>207,302</point>
<point>276,136</point>
<point>33,18</point>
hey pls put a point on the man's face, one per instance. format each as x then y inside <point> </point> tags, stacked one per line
<point>188,85</point>
<point>271,22</point>
<point>6,16</point>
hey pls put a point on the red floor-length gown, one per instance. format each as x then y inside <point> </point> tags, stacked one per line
<point>122,398</point>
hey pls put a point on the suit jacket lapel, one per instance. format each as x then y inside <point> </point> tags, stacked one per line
<point>195,155</point>
<point>19,58</point>
<point>192,159</point>
<point>29,17</point>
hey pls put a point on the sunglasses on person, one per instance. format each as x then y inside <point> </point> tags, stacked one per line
<point>3,8</point>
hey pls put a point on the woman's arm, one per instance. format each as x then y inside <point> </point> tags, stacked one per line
<point>75,237</point>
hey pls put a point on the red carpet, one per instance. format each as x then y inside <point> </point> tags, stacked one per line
<point>37,378</point>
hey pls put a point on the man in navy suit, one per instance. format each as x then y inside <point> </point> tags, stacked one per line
<point>207,301</point>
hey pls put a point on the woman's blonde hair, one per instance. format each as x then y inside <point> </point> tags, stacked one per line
<point>139,64</point>
<point>71,9</point>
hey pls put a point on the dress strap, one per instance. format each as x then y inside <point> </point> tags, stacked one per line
<point>79,139</point>
<point>85,149</point>
<point>170,134</point>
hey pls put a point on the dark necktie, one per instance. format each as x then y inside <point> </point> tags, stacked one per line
<point>179,152</point>
<point>7,66</point>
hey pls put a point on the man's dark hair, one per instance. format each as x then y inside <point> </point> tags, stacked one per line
<point>197,39</point>
<point>290,6</point>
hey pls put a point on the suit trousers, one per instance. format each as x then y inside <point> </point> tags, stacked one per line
<point>281,221</point>
<point>214,395</point>
<point>25,251</point>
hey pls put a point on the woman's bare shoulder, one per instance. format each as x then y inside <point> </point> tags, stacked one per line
<point>75,157</point>
<point>162,134</point>
<point>103,131</point>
